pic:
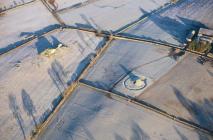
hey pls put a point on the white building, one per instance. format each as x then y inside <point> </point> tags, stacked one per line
<point>205,35</point>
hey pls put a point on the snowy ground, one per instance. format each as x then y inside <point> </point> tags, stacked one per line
<point>174,23</point>
<point>168,78</point>
<point>153,60</point>
<point>19,23</point>
<point>7,4</point>
<point>188,90</point>
<point>64,4</point>
<point>88,114</point>
<point>109,14</point>
<point>32,84</point>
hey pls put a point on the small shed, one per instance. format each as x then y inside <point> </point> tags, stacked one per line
<point>205,35</point>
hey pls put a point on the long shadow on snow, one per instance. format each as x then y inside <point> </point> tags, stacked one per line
<point>28,106</point>
<point>43,43</point>
<point>144,15</point>
<point>137,133</point>
<point>162,9</point>
<point>86,61</point>
<point>58,76</point>
<point>14,107</point>
<point>81,113</point>
<point>201,136</point>
<point>200,112</point>
<point>82,36</point>
<point>124,71</point>
<point>178,29</point>
<point>29,36</point>
<point>182,136</point>
<point>210,73</point>
<point>89,23</point>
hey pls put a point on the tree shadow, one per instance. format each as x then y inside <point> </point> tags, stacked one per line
<point>87,132</point>
<point>42,44</point>
<point>129,72</point>
<point>12,46</point>
<point>45,115</point>
<point>81,115</point>
<point>41,31</point>
<point>28,36</point>
<point>55,41</point>
<point>146,14</point>
<point>119,137</point>
<point>14,107</point>
<point>85,62</point>
<point>28,106</point>
<point>210,73</point>
<point>177,28</point>
<point>82,37</point>
<point>137,133</point>
<point>89,23</point>
<point>82,65</point>
<point>50,110</point>
<point>201,136</point>
<point>81,48</point>
<point>183,137</point>
<point>58,76</point>
<point>201,113</point>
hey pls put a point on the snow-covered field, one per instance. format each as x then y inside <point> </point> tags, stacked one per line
<point>109,14</point>
<point>88,114</point>
<point>123,56</point>
<point>63,4</point>
<point>174,23</point>
<point>166,75</point>
<point>7,4</point>
<point>28,20</point>
<point>188,90</point>
<point>33,82</point>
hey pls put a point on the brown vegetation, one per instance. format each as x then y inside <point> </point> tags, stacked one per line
<point>202,47</point>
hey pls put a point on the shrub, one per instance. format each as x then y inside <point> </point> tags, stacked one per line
<point>202,47</point>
